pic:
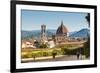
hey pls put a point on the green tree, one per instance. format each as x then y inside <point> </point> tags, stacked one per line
<point>34,55</point>
<point>45,53</point>
<point>87,48</point>
<point>87,44</point>
<point>36,43</point>
<point>43,46</point>
<point>88,19</point>
<point>54,53</point>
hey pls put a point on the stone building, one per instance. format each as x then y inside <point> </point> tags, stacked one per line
<point>43,34</point>
<point>61,34</point>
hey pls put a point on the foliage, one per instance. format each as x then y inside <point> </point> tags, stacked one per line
<point>43,46</point>
<point>87,44</point>
<point>67,46</point>
<point>88,19</point>
<point>58,51</point>
<point>33,54</point>
<point>87,48</point>
<point>66,51</point>
<point>54,53</point>
<point>45,54</point>
<point>27,55</point>
<point>87,52</point>
<point>24,56</point>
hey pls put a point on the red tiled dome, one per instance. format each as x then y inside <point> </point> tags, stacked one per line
<point>62,30</point>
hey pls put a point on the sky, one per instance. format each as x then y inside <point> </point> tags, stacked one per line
<point>32,20</point>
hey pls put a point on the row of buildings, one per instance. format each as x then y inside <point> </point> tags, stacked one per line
<point>61,37</point>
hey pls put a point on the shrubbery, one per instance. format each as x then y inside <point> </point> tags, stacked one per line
<point>86,52</point>
<point>43,46</point>
<point>66,51</point>
<point>45,54</point>
<point>35,54</point>
<point>81,50</point>
<point>27,55</point>
<point>54,52</point>
<point>87,48</point>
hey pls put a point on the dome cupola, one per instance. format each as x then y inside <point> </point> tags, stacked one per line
<point>62,30</point>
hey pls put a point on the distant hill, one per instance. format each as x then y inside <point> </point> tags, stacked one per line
<point>70,33</point>
<point>81,33</point>
<point>29,34</point>
<point>35,33</point>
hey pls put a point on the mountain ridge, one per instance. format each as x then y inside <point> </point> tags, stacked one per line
<point>50,32</point>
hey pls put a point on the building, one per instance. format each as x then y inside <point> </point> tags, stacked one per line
<point>27,44</point>
<point>43,34</point>
<point>61,34</point>
<point>51,43</point>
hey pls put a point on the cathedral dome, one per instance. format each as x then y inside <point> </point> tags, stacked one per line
<point>62,30</point>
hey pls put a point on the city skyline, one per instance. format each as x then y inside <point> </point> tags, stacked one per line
<point>32,20</point>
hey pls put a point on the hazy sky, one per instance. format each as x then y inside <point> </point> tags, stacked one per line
<point>32,20</point>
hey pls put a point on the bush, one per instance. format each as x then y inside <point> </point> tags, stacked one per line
<point>27,55</point>
<point>45,54</point>
<point>86,52</point>
<point>42,53</point>
<point>54,53</point>
<point>43,46</point>
<point>87,48</point>
<point>34,55</point>
<point>39,54</point>
<point>81,50</point>
<point>24,56</point>
<point>66,51</point>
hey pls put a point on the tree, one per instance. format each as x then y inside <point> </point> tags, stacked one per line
<point>43,46</point>
<point>87,44</point>
<point>88,19</point>
<point>87,48</point>
<point>45,53</point>
<point>36,43</point>
<point>54,53</point>
<point>34,55</point>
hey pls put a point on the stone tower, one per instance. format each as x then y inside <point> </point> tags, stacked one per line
<point>43,33</point>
